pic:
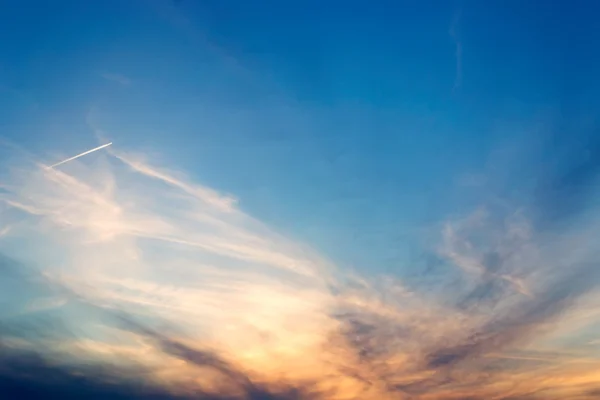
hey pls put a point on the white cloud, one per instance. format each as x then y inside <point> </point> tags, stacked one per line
<point>117,78</point>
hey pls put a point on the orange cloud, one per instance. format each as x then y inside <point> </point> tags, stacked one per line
<point>170,278</point>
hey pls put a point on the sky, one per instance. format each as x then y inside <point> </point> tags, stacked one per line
<point>302,199</point>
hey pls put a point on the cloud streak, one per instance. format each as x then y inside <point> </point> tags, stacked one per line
<point>80,155</point>
<point>458,49</point>
<point>116,78</point>
<point>148,285</point>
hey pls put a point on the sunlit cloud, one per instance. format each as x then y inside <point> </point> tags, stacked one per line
<point>168,282</point>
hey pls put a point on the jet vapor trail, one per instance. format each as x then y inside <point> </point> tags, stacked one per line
<point>80,155</point>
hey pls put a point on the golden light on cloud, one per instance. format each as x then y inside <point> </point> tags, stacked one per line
<point>172,284</point>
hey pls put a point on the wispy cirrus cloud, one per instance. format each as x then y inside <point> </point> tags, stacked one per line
<point>116,78</point>
<point>454,34</point>
<point>171,284</point>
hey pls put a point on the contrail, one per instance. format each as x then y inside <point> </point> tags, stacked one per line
<point>80,155</point>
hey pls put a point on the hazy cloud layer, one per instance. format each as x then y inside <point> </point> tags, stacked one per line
<point>140,283</point>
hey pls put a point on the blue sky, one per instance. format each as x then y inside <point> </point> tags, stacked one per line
<point>445,152</point>
<point>351,127</point>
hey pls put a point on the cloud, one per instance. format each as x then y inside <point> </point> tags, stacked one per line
<point>473,180</point>
<point>174,13</point>
<point>144,283</point>
<point>117,78</point>
<point>454,26</point>
<point>5,230</point>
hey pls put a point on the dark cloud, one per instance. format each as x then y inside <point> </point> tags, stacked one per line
<point>208,359</point>
<point>27,374</point>
<point>594,393</point>
<point>520,324</point>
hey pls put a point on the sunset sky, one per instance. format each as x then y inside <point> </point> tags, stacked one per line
<point>302,200</point>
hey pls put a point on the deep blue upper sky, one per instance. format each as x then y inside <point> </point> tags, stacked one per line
<point>353,126</point>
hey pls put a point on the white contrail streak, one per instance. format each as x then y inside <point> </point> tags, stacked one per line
<point>80,155</point>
